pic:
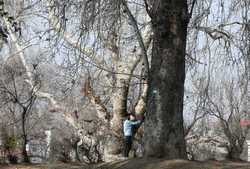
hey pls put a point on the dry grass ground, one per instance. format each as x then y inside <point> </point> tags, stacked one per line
<point>140,164</point>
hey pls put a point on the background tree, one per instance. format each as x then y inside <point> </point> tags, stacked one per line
<point>18,97</point>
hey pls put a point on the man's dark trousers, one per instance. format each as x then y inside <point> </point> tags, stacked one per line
<point>127,145</point>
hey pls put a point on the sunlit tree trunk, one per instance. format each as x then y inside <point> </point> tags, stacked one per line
<point>119,102</point>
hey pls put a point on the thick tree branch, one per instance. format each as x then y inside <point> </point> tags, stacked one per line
<point>192,8</point>
<point>102,111</point>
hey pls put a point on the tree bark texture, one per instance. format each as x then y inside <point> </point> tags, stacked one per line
<point>164,131</point>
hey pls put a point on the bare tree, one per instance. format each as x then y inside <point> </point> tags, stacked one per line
<point>230,110</point>
<point>15,93</point>
<point>123,66</point>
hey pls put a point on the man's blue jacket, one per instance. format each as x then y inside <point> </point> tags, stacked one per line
<point>128,126</point>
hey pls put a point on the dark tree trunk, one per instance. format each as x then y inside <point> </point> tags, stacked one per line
<point>25,139</point>
<point>24,152</point>
<point>164,131</point>
<point>236,140</point>
<point>75,146</point>
<point>235,152</point>
<point>236,145</point>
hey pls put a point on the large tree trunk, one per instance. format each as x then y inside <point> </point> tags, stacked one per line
<point>120,97</point>
<point>164,131</point>
<point>114,143</point>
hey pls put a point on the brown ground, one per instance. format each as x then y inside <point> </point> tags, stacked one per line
<point>45,166</point>
<point>140,164</point>
<point>173,164</point>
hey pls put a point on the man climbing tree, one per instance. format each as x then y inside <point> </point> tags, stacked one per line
<point>130,126</point>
